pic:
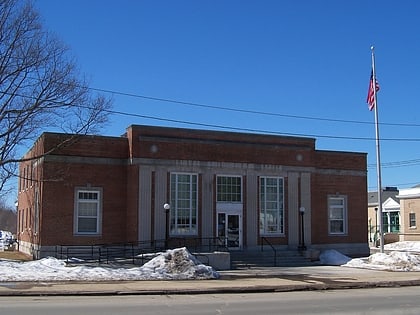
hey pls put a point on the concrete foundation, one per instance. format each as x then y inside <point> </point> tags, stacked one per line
<point>217,260</point>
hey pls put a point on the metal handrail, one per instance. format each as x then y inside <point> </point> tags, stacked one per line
<point>264,239</point>
<point>134,251</point>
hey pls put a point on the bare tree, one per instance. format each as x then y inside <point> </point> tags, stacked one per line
<point>8,218</point>
<point>40,86</point>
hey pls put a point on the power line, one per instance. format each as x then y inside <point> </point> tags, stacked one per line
<point>226,127</point>
<point>151,98</point>
<point>395,185</point>
<point>393,164</point>
<point>413,162</point>
<point>195,104</point>
<point>405,163</point>
<point>258,130</point>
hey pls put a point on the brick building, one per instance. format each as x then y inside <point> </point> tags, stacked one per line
<point>101,190</point>
<point>410,212</point>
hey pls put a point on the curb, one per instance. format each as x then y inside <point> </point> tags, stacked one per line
<point>221,290</point>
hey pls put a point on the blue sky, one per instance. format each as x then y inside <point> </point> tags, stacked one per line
<point>285,67</point>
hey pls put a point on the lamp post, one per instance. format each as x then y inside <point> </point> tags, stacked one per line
<point>167,208</point>
<point>302,245</point>
<point>375,237</point>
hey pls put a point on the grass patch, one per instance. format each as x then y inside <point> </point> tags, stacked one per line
<point>15,255</point>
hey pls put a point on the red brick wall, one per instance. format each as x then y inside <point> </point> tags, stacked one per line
<point>57,184</point>
<point>29,180</point>
<point>340,160</point>
<point>355,188</point>
<point>88,146</point>
<point>132,187</point>
<point>58,217</point>
<point>199,145</point>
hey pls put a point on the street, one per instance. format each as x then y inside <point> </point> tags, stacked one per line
<point>399,300</point>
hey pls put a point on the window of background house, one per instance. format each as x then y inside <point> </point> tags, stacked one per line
<point>337,215</point>
<point>88,211</point>
<point>183,213</point>
<point>412,220</point>
<point>271,205</point>
<point>229,188</point>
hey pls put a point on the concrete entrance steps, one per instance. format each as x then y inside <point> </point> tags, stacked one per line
<point>245,259</point>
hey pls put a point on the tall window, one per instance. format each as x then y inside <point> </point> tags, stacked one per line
<point>88,212</point>
<point>183,218</point>
<point>229,189</point>
<point>337,215</point>
<point>36,211</point>
<point>412,220</point>
<point>271,205</point>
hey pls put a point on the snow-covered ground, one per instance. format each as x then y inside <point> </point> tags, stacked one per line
<point>400,256</point>
<point>173,264</point>
<point>179,264</point>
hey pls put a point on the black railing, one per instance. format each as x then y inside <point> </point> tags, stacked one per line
<point>265,240</point>
<point>373,230</point>
<point>134,252</point>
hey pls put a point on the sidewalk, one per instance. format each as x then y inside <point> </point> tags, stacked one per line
<point>277,279</point>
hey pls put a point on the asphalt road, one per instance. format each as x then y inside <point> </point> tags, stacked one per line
<point>403,300</point>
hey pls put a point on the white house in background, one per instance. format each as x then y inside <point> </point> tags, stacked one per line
<point>391,217</point>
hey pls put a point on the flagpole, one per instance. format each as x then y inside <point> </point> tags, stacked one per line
<point>378,155</point>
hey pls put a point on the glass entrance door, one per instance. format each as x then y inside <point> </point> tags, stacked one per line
<point>229,229</point>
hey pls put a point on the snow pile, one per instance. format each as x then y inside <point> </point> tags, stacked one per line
<point>179,264</point>
<point>333,258</point>
<point>399,258</point>
<point>394,261</point>
<point>176,264</point>
<point>407,246</point>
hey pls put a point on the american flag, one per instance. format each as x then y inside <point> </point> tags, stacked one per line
<point>371,93</point>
